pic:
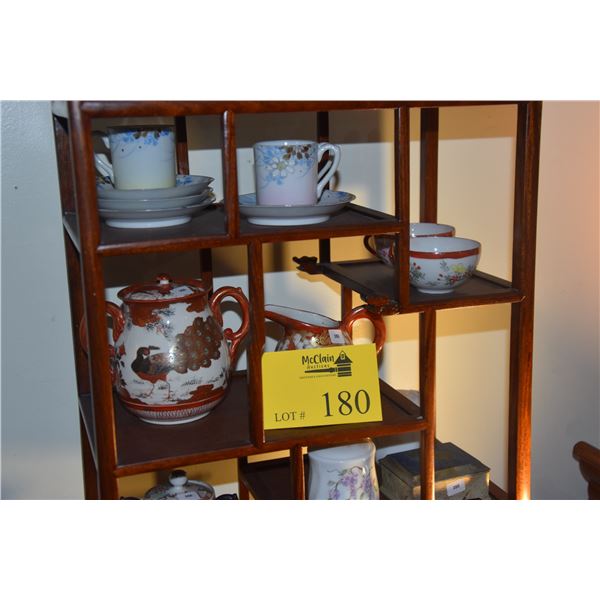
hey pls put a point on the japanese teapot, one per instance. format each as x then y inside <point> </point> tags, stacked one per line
<point>304,329</point>
<point>171,359</point>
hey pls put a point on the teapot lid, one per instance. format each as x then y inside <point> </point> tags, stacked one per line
<point>164,288</point>
<point>181,488</point>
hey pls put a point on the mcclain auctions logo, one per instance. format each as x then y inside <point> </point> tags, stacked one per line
<point>328,365</point>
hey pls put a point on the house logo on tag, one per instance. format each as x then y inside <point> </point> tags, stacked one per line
<point>342,365</point>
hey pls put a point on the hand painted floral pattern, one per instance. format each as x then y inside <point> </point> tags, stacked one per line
<point>281,161</point>
<point>447,276</point>
<point>415,272</point>
<point>354,483</point>
<point>455,274</point>
<point>149,137</point>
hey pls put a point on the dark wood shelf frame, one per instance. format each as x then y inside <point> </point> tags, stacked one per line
<point>207,230</point>
<point>109,433</point>
<point>375,283</point>
<point>143,447</point>
<point>272,480</point>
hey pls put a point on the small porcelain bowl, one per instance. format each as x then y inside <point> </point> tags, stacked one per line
<point>438,265</point>
<point>383,247</point>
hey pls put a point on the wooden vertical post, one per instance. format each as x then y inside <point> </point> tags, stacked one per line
<point>427,319</point>
<point>523,278</point>
<point>257,340</point>
<point>181,148</point>
<point>427,339</point>
<point>297,461</point>
<point>323,136</point>
<point>244,493</point>
<point>429,162</point>
<point>346,297</point>
<point>402,200</point>
<point>95,305</point>
<point>230,174</point>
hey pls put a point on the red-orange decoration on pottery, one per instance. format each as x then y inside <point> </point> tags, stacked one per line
<point>304,329</point>
<point>171,360</point>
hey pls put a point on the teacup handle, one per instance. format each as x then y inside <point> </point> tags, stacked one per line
<point>326,173</point>
<point>101,160</point>
<point>367,243</point>
<point>361,312</point>
<point>103,166</point>
<point>234,338</point>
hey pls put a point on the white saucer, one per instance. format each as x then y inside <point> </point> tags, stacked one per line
<point>187,185</point>
<point>150,218</point>
<point>152,203</point>
<point>330,203</point>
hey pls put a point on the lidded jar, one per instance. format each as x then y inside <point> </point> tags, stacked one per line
<point>181,488</point>
<point>172,358</point>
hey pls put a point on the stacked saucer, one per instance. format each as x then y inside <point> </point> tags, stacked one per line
<point>287,215</point>
<point>164,207</point>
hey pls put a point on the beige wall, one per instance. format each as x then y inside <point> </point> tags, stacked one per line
<point>40,455</point>
<point>566,401</point>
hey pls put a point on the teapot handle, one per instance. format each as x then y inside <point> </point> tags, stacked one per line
<point>118,325</point>
<point>361,312</point>
<point>234,338</point>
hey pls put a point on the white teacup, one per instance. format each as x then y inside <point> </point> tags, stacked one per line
<point>286,171</point>
<point>143,157</point>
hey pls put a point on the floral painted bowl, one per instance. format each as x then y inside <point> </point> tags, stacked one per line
<point>383,246</point>
<point>438,265</point>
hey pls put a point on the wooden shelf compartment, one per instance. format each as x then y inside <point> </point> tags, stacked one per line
<point>225,432</point>
<point>142,447</point>
<point>203,231</point>
<point>207,230</point>
<point>375,283</point>
<point>352,220</point>
<point>272,480</point>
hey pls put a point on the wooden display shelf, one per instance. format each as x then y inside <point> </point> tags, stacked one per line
<point>400,415</point>
<point>225,434</point>
<point>352,220</point>
<point>208,230</point>
<point>375,283</point>
<point>203,231</point>
<point>272,480</point>
<point>143,447</point>
<point>121,444</point>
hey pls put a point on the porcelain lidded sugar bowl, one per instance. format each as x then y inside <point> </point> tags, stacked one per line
<point>172,358</point>
<point>181,488</point>
<point>304,329</point>
<point>343,472</point>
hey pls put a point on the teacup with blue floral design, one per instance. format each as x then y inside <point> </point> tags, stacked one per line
<point>142,157</point>
<point>286,171</point>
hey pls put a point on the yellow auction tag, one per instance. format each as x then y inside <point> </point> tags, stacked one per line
<point>320,386</point>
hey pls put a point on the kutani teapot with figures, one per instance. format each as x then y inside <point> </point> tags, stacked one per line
<point>304,329</point>
<point>171,359</point>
